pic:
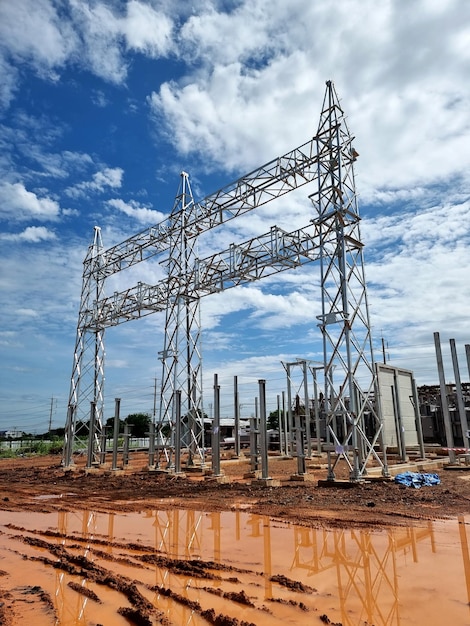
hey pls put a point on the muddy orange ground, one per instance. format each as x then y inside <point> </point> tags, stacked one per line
<point>41,484</point>
<point>367,503</point>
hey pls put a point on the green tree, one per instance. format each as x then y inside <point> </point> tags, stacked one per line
<point>140,424</point>
<point>56,432</point>
<point>110,426</point>
<point>273,419</point>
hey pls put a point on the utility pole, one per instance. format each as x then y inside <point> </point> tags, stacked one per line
<point>154,414</point>
<point>50,414</point>
<point>459,394</point>
<point>383,351</point>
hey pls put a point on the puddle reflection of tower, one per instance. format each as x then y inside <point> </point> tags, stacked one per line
<point>178,535</point>
<point>166,526</point>
<point>268,589</point>
<point>261,527</point>
<point>369,575</point>
<point>215,527</point>
<point>178,532</point>
<point>68,611</point>
<point>366,568</point>
<point>465,554</point>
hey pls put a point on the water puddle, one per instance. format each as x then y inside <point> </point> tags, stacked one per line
<point>188,567</point>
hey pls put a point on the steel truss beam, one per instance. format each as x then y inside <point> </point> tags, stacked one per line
<point>268,254</point>
<point>270,181</point>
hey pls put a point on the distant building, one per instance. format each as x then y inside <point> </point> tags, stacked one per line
<point>11,434</point>
<point>432,418</point>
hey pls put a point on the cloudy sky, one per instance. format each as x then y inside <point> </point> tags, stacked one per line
<point>104,103</point>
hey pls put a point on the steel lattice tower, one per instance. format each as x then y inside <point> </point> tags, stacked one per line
<point>181,355</point>
<point>86,386</point>
<point>351,389</point>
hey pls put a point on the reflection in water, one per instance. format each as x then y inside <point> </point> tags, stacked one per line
<point>357,576</point>
<point>365,567</point>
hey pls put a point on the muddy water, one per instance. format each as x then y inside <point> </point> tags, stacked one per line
<point>87,568</point>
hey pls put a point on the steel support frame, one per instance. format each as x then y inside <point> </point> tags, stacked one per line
<point>303,445</point>
<point>333,238</point>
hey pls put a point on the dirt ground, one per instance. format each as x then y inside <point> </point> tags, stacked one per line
<point>25,484</point>
<point>41,484</point>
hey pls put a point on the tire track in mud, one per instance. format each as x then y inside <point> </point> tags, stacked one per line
<point>142,611</point>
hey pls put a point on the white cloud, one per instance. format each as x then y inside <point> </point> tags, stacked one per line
<point>32,234</point>
<point>99,99</point>
<point>77,160</point>
<point>106,33</point>
<point>235,120</point>
<point>398,71</point>
<point>32,34</point>
<point>32,30</point>
<point>8,84</point>
<point>421,228</point>
<point>26,312</point>
<point>266,309</point>
<point>107,178</point>
<point>141,213</point>
<point>206,33</point>
<point>18,204</point>
<point>147,30</point>
<point>417,268</point>
<point>50,275</point>
<point>119,363</point>
<point>93,34</point>
<point>100,30</point>
<point>55,165</point>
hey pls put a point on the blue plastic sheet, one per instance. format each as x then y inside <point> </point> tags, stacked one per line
<point>417,480</point>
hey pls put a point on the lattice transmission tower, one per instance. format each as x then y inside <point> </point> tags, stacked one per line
<point>181,355</point>
<point>86,385</point>
<point>350,403</point>
<point>351,386</point>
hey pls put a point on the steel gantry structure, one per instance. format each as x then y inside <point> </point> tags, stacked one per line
<point>331,237</point>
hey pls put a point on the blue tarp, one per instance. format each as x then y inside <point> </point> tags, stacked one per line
<point>417,480</point>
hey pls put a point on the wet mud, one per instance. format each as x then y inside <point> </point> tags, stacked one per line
<point>89,576</point>
<point>45,569</point>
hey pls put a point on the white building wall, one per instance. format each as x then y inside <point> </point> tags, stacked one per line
<point>396,401</point>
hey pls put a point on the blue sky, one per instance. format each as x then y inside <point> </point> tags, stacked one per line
<point>103,104</point>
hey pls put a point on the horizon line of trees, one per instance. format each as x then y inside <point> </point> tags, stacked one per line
<point>139,424</point>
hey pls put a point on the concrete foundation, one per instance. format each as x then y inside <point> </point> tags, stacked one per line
<point>266,482</point>
<point>302,478</point>
<point>221,479</point>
